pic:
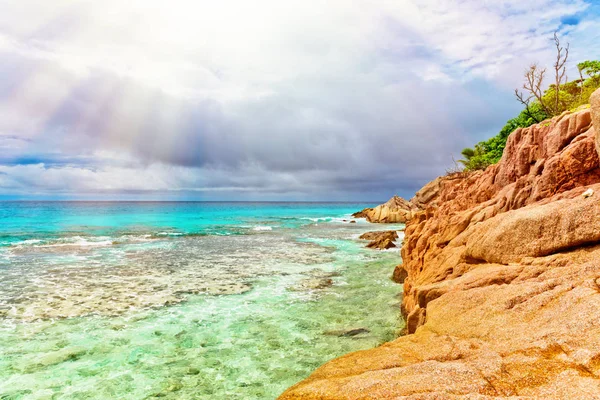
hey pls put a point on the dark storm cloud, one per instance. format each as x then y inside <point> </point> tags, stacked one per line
<point>346,134</point>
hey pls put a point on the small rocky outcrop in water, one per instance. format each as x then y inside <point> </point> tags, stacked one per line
<point>502,295</point>
<point>381,240</point>
<point>396,210</point>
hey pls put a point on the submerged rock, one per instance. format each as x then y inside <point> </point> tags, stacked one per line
<point>318,279</point>
<point>319,273</point>
<point>62,355</point>
<point>347,333</point>
<point>160,272</point>
<point>225,288</point>
<point>313,284</point>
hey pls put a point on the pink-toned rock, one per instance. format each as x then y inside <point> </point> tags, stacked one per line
<point>535,231</point>
<point>436,241</point>
<point>502,297</point>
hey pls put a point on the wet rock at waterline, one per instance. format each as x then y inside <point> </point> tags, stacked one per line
<point>381,240</point>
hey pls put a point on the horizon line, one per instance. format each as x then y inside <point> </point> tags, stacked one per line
<point>182,201</point>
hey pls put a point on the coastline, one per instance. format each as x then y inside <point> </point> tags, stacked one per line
<point>184,300</point>
<point>502,297</point>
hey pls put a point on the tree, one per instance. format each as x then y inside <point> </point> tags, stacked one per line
<point>540,103</point>
<point>581,81</point>
<point>591,69</point>
<point>534,81</point>
<point>490,151</point>
<point>560,71</point>
<point>552,100</point>
<point>468,153</point>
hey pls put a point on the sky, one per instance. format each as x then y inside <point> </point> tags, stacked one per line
<point>265,100</point>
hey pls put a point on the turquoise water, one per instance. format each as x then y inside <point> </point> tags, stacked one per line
<point>184,300</point>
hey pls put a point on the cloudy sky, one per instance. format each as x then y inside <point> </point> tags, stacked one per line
<point>263,99</point>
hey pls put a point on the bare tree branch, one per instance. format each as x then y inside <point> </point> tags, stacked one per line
<point>581,83</point>
<point>560,70</point>
<point>526,101</point>
<point>534,80</point>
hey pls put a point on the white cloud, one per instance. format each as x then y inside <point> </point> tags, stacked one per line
<point>303,91</point>
<point>229,49</point>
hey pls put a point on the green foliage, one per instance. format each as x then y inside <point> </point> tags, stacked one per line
<point>490,151</point>
<point>571,96</point>
<point>564,100</point>
<point>468,153</point>
<point>591,69</point>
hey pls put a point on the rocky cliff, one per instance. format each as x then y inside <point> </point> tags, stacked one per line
<point>502,298</point>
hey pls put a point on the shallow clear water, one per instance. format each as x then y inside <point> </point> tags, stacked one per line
<point>184,300</point>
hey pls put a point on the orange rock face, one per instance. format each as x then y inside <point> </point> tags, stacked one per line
<point>395,210</point>
<point>502,298</point>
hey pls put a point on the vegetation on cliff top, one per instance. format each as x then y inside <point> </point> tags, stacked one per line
<point>560,96</point>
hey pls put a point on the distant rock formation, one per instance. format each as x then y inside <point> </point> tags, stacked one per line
<point>396,210</point>
<point>502,283</point>
<point>363,213</point>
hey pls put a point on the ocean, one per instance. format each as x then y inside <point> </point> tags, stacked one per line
<point>185,300</point>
